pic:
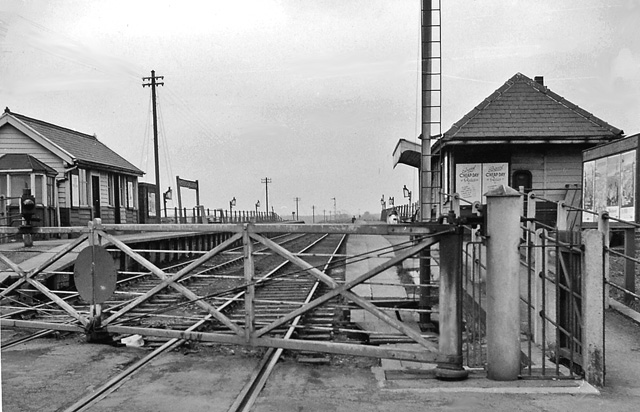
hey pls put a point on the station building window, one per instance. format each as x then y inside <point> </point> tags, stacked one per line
<point>79,188</point>
<point>22,171</point>
<point>110,189</point>
<point>12,185</point>
<point>17,182</point>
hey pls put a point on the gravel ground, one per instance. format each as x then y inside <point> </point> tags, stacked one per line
<point>49,374</point>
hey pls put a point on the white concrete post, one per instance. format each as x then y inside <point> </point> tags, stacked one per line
<point>593,306</point>
<point>504,207</point>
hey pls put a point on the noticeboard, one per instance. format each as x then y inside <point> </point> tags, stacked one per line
<point>609,180</point>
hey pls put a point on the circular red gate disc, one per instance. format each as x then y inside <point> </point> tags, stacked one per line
<point>95,274</point>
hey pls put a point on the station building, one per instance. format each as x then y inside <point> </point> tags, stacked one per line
<point>74,176</point>
<point>522,135</point>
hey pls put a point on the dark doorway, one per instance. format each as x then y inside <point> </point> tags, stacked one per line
<point>95,195</point>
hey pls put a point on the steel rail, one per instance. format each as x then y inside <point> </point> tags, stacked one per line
<point>250,392</point>
<point>46,332</point>
<point>72,295</point>
<point>84,403</point>
<point>114,383</point>
<point>200,274</point>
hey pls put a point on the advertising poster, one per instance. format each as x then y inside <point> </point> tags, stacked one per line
<point>588,199</point>
<point>613,186</point>
<point>494,175</point>
<point>600,186</point>
<point>469,181</point>
<point>627,185</point>
<point>609,184</point>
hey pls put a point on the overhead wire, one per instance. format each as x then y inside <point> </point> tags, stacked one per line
<point>162,142</point>
<point>192,115</point>
<point>144,155</point>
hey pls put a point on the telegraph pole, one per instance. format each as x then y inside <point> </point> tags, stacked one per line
<point>266,182</point>
<point>297,199</point>
<point>313,214</point>
<point>153,85</point>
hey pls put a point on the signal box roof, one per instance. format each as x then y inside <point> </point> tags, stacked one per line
<point>524,111</point>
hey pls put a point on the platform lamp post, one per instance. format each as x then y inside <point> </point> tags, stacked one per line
<point>232,203</point>
<point>335,209</point>
<point>391,201</point>
<point>407,194</point>
<point>166,196</point>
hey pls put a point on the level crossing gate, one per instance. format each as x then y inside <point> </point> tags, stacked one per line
<point>100,319</point>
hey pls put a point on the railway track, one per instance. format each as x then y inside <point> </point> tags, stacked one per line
<point>279,288</point>
<point>129,286</point>
<point>323,316</point>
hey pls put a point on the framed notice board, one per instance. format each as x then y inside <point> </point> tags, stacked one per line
<point>610,180</point>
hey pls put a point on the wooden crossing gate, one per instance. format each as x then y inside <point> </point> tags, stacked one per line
<point>100,319</point>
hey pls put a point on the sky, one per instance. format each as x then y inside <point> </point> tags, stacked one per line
<point>313,95</point>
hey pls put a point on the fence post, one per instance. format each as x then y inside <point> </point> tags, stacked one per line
<point>562,216</point>
<point>249,309</point>
<point>630,265</point>
<point>531,215</point>
<point>504,207</point>
<point>593,306</point>
<point>455,204</point>
<point>94,333</point>
<point>539,267</point>
<point>603,227</point>
<point>450,339</point>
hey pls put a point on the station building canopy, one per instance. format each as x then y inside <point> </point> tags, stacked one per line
<point>407,153</point>
<point>24,162</point>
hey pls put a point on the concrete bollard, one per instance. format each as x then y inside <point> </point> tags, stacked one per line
<point>450,340</point>
<point>593,342</point>
<point>504,207</point>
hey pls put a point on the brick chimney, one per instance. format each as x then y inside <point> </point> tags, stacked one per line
<point>539,80</point>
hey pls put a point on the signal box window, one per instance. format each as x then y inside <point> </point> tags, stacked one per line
<point>522,180</point>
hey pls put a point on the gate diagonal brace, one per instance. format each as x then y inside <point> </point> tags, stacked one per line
<point>345,288</point>
<point>172,279</point>
<point>180,288</point>
<point>25,275</point>
<point>28,277</point>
